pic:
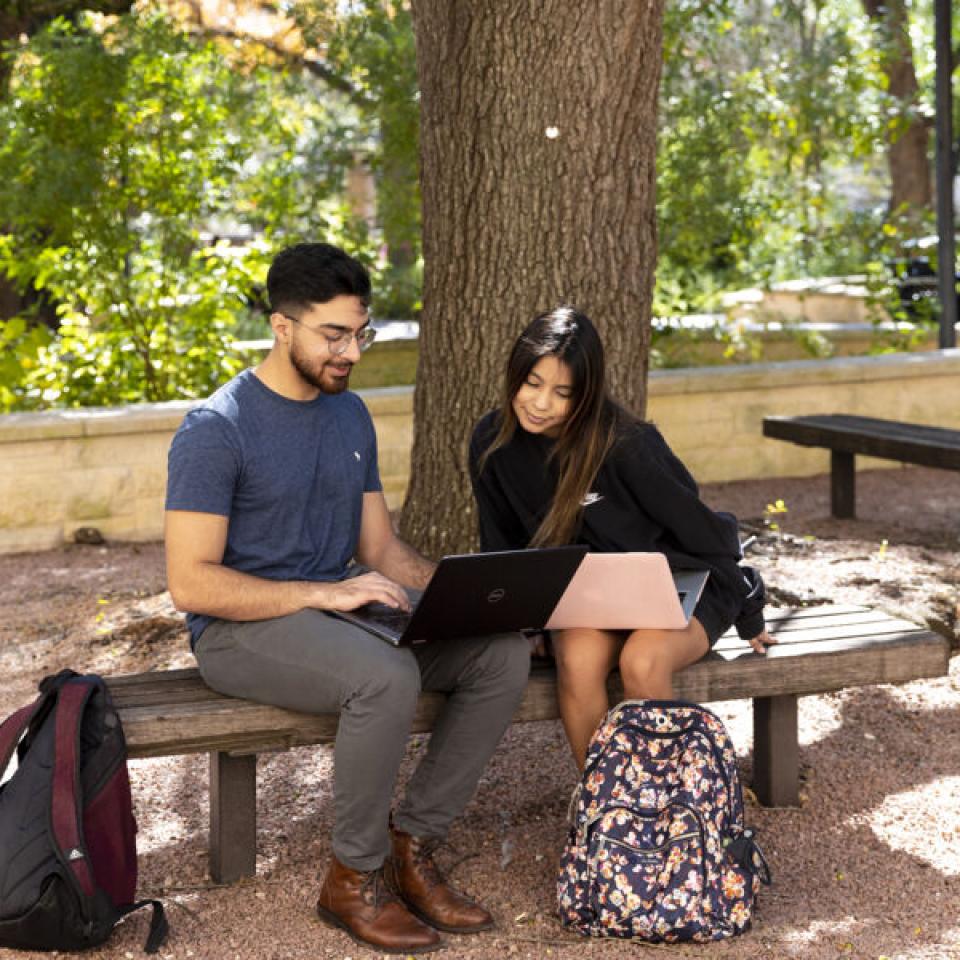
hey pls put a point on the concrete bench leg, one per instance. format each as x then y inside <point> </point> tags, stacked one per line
<point>233,817</point>
<point>843,484</point>
<point>776,754</point>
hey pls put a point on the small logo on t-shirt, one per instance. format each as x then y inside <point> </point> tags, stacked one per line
<point>591,497</point>
<point>356,453</point>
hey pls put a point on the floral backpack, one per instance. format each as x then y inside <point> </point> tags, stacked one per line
<point>657,849</point>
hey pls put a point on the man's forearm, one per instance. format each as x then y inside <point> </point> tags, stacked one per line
<point>217,591</point>
<point>400,562</point>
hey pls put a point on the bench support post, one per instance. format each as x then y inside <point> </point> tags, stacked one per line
<point>233,817</point>
<point>843,484</point>
<point>776,754</point>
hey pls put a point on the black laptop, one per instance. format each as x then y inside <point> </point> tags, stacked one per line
<point>475,594</point>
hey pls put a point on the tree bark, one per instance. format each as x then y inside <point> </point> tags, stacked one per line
<point>538,127</point>
<point>911,186</point>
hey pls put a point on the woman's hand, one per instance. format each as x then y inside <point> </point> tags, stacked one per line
<point>761,641</point>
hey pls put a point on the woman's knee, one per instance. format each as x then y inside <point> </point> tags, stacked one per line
<point>650,658</point>
<point>584,657</point>
<point>646,664</point>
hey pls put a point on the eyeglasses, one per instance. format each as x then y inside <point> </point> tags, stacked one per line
<point>338,339</point>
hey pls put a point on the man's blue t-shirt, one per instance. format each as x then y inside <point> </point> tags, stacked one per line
<point>290,476</point>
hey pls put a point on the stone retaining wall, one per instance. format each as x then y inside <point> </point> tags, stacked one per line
<point>105,468</point>
<point>713,417</point>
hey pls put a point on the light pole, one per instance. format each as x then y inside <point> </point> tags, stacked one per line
<point>945,226</point>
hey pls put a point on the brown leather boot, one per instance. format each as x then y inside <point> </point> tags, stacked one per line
<point>411,873</point>
<point>361,904</point>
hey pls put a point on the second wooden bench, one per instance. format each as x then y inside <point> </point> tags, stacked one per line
<point>846,435</point>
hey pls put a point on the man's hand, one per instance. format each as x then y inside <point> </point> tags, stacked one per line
<point>356,591</point>
<point>761,641</point>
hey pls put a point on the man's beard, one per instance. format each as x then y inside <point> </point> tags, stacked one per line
<point>314,375</point>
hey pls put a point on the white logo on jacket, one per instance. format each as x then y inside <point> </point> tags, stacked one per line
<point>591,497</point>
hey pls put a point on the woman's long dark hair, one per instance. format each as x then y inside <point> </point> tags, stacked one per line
<point>590,429</point>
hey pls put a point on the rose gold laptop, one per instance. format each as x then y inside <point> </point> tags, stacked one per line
<point>628,591</point>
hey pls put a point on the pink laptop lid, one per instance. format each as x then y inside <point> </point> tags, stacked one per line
<point>626,591</point>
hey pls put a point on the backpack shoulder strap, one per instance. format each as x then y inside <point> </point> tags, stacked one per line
<point>66,809</point>
<point>13,728</point>
<point>159,927</point>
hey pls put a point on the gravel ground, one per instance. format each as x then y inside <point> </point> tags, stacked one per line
<point>868,866</point>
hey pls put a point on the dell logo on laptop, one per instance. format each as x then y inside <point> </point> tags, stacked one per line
<point>495,596</point>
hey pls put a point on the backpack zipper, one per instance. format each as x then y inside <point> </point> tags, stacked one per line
<point>647,852</point>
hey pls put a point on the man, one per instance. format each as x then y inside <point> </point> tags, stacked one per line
<point>273,491</point>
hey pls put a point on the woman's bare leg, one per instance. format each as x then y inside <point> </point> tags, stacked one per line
<point>584,661</point>
<point>650,658</point>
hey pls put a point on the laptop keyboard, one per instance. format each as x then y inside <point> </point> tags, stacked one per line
<point>384,616</point>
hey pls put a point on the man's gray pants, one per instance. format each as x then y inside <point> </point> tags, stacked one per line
<point>316,663</point>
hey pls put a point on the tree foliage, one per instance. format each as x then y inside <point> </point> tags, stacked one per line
<point>371,46</point>
<point>23,18</point>
<point>123,154</point>
<point>773,118</point>
<point>125,150</point>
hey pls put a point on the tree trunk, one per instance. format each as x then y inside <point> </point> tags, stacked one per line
<point>910,182</point>
<point>538,128</point>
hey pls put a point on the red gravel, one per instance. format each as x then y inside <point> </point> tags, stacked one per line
<point>867,867</point>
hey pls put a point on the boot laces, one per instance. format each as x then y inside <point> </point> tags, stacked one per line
<point>374,890</point>
<point>425,851</point>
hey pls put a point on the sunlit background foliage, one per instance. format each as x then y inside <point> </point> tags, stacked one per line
<point>151,165</point>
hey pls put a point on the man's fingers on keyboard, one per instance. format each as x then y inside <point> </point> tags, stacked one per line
<point>390,593</point>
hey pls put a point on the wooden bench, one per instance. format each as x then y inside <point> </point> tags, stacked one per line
<point>846,435</point>
<point>820,649</point>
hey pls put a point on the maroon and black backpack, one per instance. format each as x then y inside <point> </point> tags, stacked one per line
<point>68,854</point>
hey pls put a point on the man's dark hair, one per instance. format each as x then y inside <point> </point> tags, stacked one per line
<point>308,273</point>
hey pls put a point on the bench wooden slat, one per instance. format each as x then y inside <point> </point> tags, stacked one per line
<point>829,611</point>
<point>870,436</point>
<point>879,427</point>
<point>149,677</point>
<point>802,651</point>
<point>875,632</point>
<point>803,618</point>
<point>189,690</point>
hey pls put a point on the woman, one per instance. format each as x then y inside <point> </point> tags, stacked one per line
<point>561,462</point>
